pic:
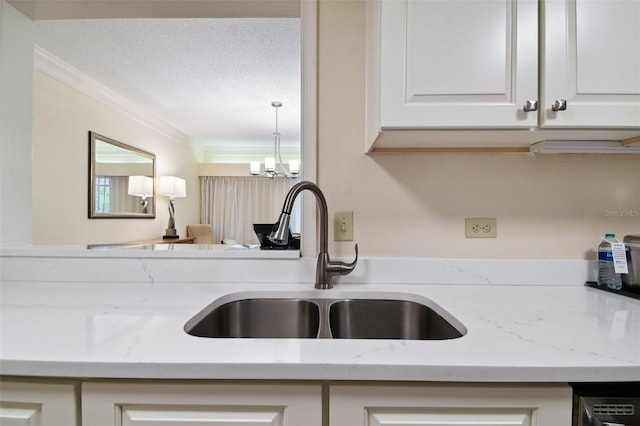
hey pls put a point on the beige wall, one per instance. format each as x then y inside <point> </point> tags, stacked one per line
<point>415,205</point>
<point>223,169</point>
<point>62,118</point>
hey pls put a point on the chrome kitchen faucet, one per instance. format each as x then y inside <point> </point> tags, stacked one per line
<point>325,268</point>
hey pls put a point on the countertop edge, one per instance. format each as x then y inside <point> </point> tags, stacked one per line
<point>321,372</point>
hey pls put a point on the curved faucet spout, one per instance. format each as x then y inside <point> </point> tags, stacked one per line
<point>279,235</point>
<point>326,268</point>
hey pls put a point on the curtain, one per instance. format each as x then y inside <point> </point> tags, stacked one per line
<point>112,195</point>
<point>121,201</point>
<point>232,204</point>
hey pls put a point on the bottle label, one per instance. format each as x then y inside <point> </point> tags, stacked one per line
<point>617,255</point>
<point>619,258</point>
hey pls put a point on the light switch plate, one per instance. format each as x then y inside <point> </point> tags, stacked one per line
<point>343,226</point>
<point>480,228</point>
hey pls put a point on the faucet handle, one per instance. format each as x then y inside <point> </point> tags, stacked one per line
<point>343,268</point>
<point>352,265</point>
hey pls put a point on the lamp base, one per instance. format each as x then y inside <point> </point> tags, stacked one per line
<point>170,234</point>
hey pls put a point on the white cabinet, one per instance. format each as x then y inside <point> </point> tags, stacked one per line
<point>591,59</point>
<point>175,403</point>
<point>450,404</point>
<point>25,402</point>
<point>457,63</point>
<point>446,69</point>
<point>280,403</point>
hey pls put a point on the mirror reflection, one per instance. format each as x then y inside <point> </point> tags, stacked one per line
<point>121,180</point>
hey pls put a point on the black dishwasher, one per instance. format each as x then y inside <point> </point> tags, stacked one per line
<point>606,404</point>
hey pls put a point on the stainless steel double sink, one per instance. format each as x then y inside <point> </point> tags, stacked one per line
<point>325,314</point>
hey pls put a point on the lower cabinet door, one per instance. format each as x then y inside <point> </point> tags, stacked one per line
<point>27,402</point>
<point>219,404</point>
<point>450,404</point>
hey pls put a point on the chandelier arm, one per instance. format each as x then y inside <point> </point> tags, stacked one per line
<point>283,169</point>
<point>276,145</point>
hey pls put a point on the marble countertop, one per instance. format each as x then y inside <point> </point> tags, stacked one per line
<point>192,251</point>
<point>515,333</point>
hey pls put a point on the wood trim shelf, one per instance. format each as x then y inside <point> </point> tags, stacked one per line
<point>182,240</point>
<point>631,141</point>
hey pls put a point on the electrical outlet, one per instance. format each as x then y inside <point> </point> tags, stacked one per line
<point>480,228</point>
<point>343,226</point>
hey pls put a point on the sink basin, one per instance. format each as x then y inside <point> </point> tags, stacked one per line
<point>325,315</point>
<point>260,318</point>
<point>388,319</point>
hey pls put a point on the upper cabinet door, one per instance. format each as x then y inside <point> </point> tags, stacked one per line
<point>591,63</point>
<point>464,63</point>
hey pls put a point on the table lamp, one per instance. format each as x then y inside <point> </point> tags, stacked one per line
<point>172,187</point>
<point>141,186</point>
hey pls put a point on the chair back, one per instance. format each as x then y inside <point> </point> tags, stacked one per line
<point>202,232</point>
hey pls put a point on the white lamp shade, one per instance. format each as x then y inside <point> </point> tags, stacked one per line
<point>172,186</point>
<point>141,186</point>
<point>294,166</point>
<point>254,167</point>
<point>269,164</point>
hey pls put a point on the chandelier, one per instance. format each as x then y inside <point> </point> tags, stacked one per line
<point>273,165</point>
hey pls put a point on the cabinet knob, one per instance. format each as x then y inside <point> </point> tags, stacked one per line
<point>530,105</point>
<point>559,105</point>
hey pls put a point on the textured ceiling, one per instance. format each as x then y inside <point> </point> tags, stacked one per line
<point>211,79</point>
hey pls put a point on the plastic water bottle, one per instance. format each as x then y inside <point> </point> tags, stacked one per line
<point>607,276</point>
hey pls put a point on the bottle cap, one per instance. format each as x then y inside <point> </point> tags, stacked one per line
<point>609,235</point>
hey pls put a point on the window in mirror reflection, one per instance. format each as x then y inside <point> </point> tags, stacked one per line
<point>121,180</point>
<point>103,202</point>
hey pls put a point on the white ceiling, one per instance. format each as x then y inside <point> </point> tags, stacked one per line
<point>211,79</point>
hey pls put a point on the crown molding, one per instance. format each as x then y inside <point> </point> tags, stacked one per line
<point>246,152</point>
<point>61,71</point>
